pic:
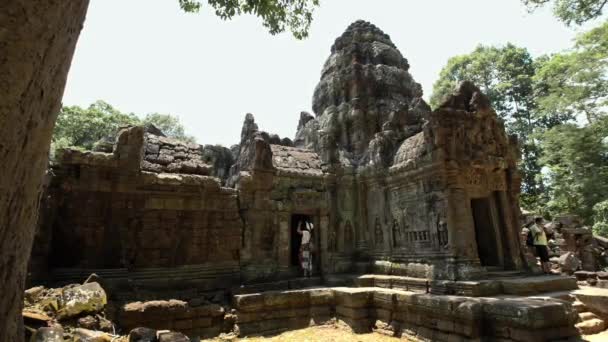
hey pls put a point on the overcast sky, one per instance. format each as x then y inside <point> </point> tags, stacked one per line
<point>147,56</point>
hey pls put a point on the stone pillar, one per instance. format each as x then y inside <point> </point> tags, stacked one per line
<point>511,239</point>
<point>129,149</point>
<point>362,228</point>
<point>461,227</point>
<point>323,235</point>
<point>284,241</point>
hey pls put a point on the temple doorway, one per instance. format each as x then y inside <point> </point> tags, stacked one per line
<point>485,232</point>
<point>296,239</point>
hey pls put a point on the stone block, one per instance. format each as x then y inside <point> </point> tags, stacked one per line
<point>322,297</point>
<point>210,310</point>
<point>248,302</point>
<point>320,311</point>
<point>471,329</point>
<point>383,299</point>
<point>528,313</point>
<point>271,326</point>
<point>80,334</point>
<point>271,314</point>
<point>353,297</point>
<point>538,284</point>
<point>141,334</point>
<point>290,299</point>
<point>48,334</point>
<point>183,324</point>
<point>470,310</point>
<point>364,281</point>
<point>381,314</point>
<point>89,297</point>
<point>358,326</point>
<point>172,336</point>
<point>357,313</point>
<point>202,322</point>
<point>596,300</point>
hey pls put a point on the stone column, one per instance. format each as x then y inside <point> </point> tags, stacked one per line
<point>284,241</point>
<point>323,235</point>
<point>360,199</point>
<point>510,234</point>
<point>461,227</point>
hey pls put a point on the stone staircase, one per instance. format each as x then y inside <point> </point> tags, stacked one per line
<point>588,323</point>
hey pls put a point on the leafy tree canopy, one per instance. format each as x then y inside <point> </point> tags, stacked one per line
<point>600,226</point>
<point>276,15</point>
<point>576,160</point>
<point>571,11</point>
<point>574,82</point>
<point>81,128</point>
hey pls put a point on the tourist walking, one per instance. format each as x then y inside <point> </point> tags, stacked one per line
<point>305,229</point>
<point>540,244</point>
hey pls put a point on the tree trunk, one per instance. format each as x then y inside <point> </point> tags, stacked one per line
<point>37,42</point>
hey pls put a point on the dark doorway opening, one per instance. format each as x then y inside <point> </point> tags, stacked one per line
<point>296,239</point>
<point>485,232</point>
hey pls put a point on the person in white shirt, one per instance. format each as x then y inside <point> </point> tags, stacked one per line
<point>305,229</point>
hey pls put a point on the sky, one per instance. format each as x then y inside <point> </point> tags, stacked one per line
<point>145,56</point>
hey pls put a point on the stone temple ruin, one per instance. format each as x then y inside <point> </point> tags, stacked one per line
<point>415,210</point>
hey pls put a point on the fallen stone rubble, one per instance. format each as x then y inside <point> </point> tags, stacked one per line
<point>574,250</point>
<point>79,313</point>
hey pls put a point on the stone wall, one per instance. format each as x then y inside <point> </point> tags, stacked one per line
<point>400,313</point>
<point>110,213</point>
<point>203,321</point>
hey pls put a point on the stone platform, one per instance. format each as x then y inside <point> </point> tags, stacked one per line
<point>396,312</point>
<point>512,285</point>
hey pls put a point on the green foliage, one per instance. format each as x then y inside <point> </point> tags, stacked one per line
<point>276,15</point>
<point>506,75</point>
<point>169,125</point>
<point>600,218</point>
<point>576,161</point>
<point>575,82</point>
<point>571,11</point>
<point>81,128</point>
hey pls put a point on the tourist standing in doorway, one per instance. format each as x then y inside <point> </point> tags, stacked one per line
<point>305,229</point>
<point>540,244</point>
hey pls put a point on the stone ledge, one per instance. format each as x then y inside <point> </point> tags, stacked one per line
<point>427,316</point>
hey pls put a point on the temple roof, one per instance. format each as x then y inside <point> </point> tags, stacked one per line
<point>296,160</point>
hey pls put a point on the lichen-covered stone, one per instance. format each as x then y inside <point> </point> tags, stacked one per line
<point>89,297</point>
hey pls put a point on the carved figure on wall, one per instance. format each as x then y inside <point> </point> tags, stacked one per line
<point>332,240</point>
<point>474,177</point>
<point>442,233</point>
<point>396,233</point>
<point>378,232</point>
<point>348,234</point>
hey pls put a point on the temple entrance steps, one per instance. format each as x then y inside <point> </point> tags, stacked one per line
<point>506,284</point>
<point>588,322</point>
<point>503,274</point>
<point>395,312</point>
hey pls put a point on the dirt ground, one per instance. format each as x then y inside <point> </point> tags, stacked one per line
<point>335,333</point>
<point>326,333</point>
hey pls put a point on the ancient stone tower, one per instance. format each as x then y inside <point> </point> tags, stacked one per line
<point>365,94</point>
